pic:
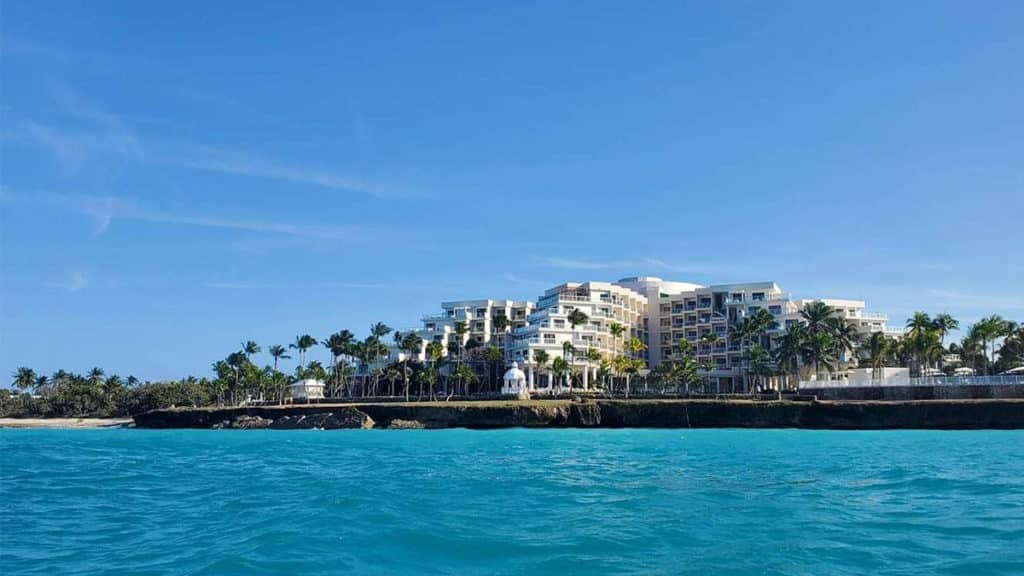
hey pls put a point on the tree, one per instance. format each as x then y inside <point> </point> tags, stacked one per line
<point>686,369</point>
<point>24,378</point>
<point>464,376</point>
<point>987,331</point>
<point>875,350</point>
<point>820,350</point>
<point>500,324</point>
<point>575,318</point>
<point>96,376</point>
<point>1011,353</point>
<point>278,352</point>
<point>435,352</point>
<point>250,348</point>
<point>339,344</point>
<point>616,330</point>
<point>560,369</point>
<point>944,324</point>
<point>236,360</point>
<point>757,359</point>
<point>411,344</point>
<point>844,337</point>
<point>815,314</point>
<point>791,349</point>
<point>303,343</point>
<point>495,358</point>
<point>541,358</point>
<point>635,347</point>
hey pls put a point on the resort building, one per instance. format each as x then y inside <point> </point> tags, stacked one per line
<point>550,328</point>
<point>487,322</point>
<point>657,313</point>
<point>703,317</point>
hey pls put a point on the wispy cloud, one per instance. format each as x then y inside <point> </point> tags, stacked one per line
<point>286,286</point>
<point>91,138</point>
<point>681,267</point>
<point>242,164</point>
<point>96,136</point>
<point>515,279</point>
<point>106,210</point>
<point>974,300</point>
<point>640,264</point>
<point>74,282</point>
<point>575,264</point>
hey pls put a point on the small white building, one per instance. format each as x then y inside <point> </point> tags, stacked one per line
<point>307,390</point>
<point>515,382</point>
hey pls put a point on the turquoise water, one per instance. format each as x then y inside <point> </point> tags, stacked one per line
<point>511,502</point>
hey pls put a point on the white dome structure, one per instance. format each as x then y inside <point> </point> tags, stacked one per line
<point>515,382</point>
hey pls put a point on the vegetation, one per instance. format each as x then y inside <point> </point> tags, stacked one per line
<point>819,341</point>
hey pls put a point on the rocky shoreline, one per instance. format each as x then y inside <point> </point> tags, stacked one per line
<point>926,414</point>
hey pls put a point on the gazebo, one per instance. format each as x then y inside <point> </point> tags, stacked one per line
<point>308,389</point>
<point>515,382</point>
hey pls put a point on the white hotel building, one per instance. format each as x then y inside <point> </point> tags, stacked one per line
<point>657,312</point>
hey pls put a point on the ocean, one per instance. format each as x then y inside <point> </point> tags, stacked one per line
<point>793,502</point>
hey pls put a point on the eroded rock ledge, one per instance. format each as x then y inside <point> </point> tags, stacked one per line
<point>937,414</point>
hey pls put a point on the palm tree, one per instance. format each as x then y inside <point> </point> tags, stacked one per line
<point>560,368</point>
<point>303,343</point>
<point>616,330</point>
<point>815,314</point>
<point>278,352</point>
<point>435,352</point>
<point>249,348</point>
<point>236,360</point>
<point>635,347</point>
<point>541,358</point>
<point>987,331</point>
<point>844,336</point>
<point>820,350</point>
<point>337,345</point>
<point>944,324</point>
<point>500,325</point>
<point>24,378</point>
<point>494,357</point>
<point>757,359</point>
<point>575,318</point>
<point>411,344</point>
<point>790,349</point>
<point>686,369</point>
<point>96,376</point>
<point>876,347</point>
<point>568,351</point>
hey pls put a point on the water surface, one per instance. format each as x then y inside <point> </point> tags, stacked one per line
<point>511,502</point>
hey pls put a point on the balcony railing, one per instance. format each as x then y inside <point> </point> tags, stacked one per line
<point>999,380</point>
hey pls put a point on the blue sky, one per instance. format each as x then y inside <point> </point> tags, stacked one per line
<point>178,178</point>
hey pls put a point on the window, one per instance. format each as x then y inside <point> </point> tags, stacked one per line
<point>757,296</point>
<point>776,310</point>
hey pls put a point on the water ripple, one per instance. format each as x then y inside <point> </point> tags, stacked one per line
<point>511,502</point>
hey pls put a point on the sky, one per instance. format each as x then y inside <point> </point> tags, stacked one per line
<point>176,178</point>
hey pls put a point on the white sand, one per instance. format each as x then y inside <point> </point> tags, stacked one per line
<point>64,422</point>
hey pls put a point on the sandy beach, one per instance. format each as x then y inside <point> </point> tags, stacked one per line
<point>64,422</point>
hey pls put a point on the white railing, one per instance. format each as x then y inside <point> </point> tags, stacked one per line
<point>999,380</point>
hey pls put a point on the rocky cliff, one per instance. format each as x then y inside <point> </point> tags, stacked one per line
<point>939,414</point>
